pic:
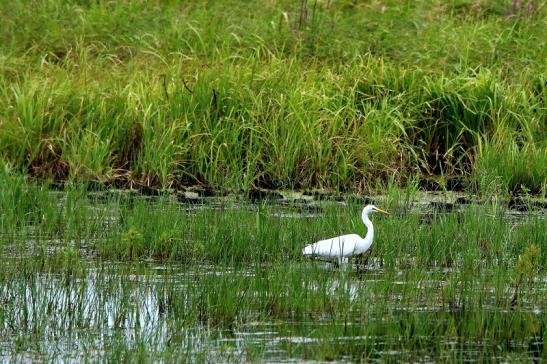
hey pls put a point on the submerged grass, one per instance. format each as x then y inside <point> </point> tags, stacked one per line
<point>83,270</point>
<point>238,96</point>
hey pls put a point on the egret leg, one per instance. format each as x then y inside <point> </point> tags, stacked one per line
<point>368,254</point>
<point>363,261</point>
<point>342,261</point>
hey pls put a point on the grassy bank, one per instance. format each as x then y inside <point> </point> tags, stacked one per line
<point>337,95</point>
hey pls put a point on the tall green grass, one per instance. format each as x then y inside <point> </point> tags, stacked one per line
<point>128,227</point>
<point>157,279</point>
<point>236,96</point>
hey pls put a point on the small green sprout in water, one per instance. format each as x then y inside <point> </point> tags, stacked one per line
<point>526,267</point>
<point>133,243</point>
<point>168,247</point>
<point>65,260</point>
<point>164,247</point>
<point>194,252</point>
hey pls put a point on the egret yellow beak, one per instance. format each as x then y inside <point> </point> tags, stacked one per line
<point>382,211</point>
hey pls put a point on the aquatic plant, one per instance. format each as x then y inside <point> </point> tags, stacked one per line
<point>193,282</point>
<point>525,270</point>
<point>132,244</point>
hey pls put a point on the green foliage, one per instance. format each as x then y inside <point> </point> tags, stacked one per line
<point>516,169</point>
<point>79,264</point>
<point>132,244</point>
<point>526,269</point>
<point>527,263</point>
<point>66,261</point>
<point>339,95</point>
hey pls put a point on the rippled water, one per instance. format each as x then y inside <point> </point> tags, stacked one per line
<point>103,310</point>
<point>75,317</point>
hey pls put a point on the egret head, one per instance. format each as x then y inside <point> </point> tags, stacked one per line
<point>371,208</point>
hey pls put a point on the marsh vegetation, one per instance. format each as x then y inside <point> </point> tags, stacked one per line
<point>119,120</point>
<point>112,276</point>
<point>340,95</point>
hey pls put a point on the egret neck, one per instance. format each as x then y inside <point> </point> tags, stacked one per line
<point>367,241</point>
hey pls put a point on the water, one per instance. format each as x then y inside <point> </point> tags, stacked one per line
<point>77,306</point>
<point>76,318</point>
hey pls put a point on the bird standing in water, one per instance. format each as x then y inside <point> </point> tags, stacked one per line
<point>344,246</point>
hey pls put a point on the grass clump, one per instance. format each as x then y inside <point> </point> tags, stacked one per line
<point>519,170</point>
<point>236,96</point>
<point>526,269</point>
<point>132,244</point>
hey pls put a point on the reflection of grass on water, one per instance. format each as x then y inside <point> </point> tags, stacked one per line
<point>467,284</point>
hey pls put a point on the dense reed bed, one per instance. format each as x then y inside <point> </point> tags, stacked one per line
<point>115,276</point>
<point>341,95</point>
<point>126,226</point>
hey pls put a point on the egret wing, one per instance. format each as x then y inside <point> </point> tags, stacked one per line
<point>340,246</point>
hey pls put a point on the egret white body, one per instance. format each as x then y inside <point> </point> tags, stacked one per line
<point>344,246</point>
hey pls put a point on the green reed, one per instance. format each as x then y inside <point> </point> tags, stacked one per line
<point>413,312</point>
<point>345,96</point>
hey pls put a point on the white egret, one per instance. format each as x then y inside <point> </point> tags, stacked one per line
<point>344,246</point>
